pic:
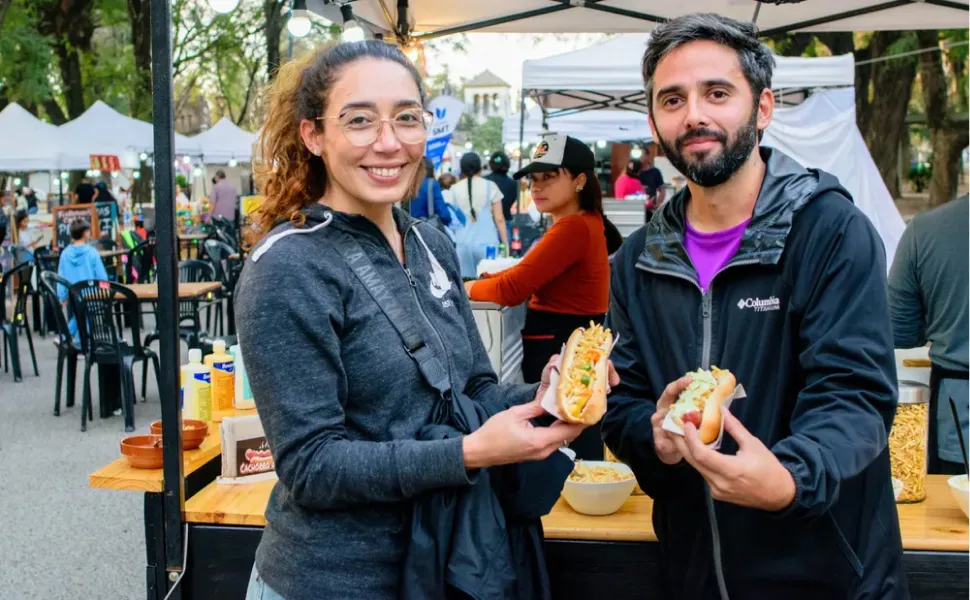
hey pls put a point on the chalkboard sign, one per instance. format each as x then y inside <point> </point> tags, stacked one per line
<point>107,220</point>
<point>65,215</point>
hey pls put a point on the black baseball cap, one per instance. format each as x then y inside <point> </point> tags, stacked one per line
<point>556,152</point>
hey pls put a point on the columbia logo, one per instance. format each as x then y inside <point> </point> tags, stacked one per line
<point>760,305</point>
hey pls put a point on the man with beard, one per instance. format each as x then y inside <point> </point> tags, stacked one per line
<point>767,269</point>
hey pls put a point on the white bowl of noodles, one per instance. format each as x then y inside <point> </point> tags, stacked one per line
<point>598,487</point>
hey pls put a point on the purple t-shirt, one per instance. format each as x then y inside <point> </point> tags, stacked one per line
<point>711,251</point>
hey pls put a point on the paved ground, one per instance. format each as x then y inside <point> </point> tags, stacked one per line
<point>60,539</point>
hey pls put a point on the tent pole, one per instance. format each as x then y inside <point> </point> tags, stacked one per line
<point>173,500</point>
<point>518,204</point>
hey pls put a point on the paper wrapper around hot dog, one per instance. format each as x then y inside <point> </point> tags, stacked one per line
<point>672,427</point>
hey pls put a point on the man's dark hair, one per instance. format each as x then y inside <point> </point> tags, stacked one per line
<point>220,174</point>
<point>499,163</point>
<point>78,229</point>
<point>756,60</point>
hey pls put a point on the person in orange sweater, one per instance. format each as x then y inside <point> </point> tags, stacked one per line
<point>565,276</point>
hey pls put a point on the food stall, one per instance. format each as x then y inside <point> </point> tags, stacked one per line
<point>588,556</point>
<point>201,535</point>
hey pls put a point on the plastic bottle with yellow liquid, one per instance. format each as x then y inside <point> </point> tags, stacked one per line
<point>196,383</point>
<point>223,377</point>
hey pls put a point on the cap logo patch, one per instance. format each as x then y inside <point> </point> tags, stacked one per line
<point>541,150</point>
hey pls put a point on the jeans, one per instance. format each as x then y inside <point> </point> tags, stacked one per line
<point>258,590</point>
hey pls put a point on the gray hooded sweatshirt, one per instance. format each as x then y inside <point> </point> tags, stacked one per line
<point>341,401</point>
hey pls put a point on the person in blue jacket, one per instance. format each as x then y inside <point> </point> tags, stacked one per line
<point>767,269</point>
<point>79,261</point>
<point>419,205</point>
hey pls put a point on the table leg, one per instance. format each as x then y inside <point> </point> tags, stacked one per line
<point>154,546</point>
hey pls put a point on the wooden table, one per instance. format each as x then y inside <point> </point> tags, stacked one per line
<point>187,291</point>
<point>112,253</point>
<point>119,476</point>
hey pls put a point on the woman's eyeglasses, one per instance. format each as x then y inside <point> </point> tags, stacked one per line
<point>363,127</point>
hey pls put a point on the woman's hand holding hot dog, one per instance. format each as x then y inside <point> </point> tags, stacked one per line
<point>509,436</point>
<point>753,477</point>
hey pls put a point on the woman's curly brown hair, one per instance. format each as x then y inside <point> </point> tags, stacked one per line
<point>289,177</point>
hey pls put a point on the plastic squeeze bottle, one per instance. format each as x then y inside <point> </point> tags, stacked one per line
<point>244,396</point>
<point>223,376</point>
<point>196,388</point>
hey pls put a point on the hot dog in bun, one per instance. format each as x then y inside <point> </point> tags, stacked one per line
<point>581,395</point>
<point>700,403</point>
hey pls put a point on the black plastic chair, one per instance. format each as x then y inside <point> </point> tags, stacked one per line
<point>45,259</point>
<point>190,323</point>
<point>95,304</point>
<point>227,270</point>
<point>140,267</point>
<point>67,349</point>
<point>21,275</point>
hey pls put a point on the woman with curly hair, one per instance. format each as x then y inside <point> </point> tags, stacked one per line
<point>345,405</point>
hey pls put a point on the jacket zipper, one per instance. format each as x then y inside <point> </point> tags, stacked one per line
<point>707,327</point>
<point>417,300</point>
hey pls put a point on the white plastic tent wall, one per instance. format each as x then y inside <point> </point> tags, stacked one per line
<point>225,141</point>
<point>609,72</point>
<point>29,144</point>
<point>822,133</point>
<point>103,130</point>
<point>589,126</point>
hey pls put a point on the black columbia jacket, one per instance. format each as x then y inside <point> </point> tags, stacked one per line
<point>800,316</point>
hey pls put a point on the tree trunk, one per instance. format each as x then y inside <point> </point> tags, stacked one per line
<point>273,11</point>
<point>947,137</point>
<point>69,60</point>
<point>139,16</point>
<point>71,27</point>
<point>4,7</point>
<point>886,123</point>
<point>54,112</point>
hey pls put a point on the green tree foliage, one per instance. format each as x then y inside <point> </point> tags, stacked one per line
<point>487,137</point>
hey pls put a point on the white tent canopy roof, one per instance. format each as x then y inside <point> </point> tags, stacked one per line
<point>588,126</point>
<point>103,130</point>
<point>610,72</point>
<point>29,143</point>
<point>225,141</point>
<point>553,16</point>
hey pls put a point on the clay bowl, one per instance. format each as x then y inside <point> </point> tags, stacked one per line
<point>143,451</point>
<point>193,432</point>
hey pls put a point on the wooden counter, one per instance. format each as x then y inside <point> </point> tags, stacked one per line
<point>937,524</point>
<point>230,504</point>
<point>119,476</point>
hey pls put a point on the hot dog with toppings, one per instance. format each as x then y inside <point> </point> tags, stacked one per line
<point>581,395</point>
<point>700,403</point>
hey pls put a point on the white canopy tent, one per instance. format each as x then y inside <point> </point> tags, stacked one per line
<point>589,126</point>
<point>822,133</point>
<point>434,18</point>
<point>608,75</point>
<point>103,130</point>
<point>29,143</point>
<point>225,141</point>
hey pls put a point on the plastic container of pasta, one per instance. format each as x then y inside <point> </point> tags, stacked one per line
<point>908,440</point>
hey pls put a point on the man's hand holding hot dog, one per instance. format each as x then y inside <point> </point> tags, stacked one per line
<point>753,477</point>
<point>663,440</point>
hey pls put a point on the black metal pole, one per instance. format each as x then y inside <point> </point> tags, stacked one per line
<point>163,119</point>
<point>518,207</point>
